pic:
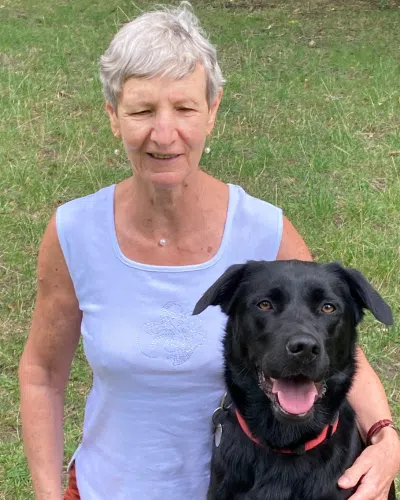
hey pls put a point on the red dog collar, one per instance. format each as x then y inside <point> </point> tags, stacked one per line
<point>327,432</point>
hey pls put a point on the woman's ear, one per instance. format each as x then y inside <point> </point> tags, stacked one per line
<point>114,120</point>
<point>213,111</point>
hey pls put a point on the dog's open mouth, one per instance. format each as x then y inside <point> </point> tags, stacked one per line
<point>293,396</point>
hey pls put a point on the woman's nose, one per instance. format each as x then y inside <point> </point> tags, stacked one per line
<point>164,130</point>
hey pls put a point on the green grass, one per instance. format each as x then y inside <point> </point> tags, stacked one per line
<point>312,129</point>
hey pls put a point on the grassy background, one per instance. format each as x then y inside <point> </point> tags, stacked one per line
<point>309,121</point>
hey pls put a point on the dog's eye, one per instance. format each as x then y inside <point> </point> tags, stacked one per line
<point>265,305</point>
<point>328,308</point>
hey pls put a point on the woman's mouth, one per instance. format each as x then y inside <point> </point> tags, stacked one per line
<point>164,157</point>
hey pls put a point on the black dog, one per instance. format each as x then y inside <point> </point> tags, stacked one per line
<point>289,352</point>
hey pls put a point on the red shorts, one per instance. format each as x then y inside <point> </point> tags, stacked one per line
<point>72,492</point>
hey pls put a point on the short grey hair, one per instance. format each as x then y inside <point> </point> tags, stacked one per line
<point>165,42</point>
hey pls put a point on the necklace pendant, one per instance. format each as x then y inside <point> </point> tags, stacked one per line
<point>162,242</point>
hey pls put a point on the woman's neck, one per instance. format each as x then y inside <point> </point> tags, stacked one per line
<point>168,213</point>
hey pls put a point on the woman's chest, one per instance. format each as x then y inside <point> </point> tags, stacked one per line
<point>137,333</point>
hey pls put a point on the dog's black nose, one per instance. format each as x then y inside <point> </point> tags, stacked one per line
<point>303,347</point>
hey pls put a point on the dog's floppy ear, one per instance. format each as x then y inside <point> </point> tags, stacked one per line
<point>363,292</point>
<point>222,291</point>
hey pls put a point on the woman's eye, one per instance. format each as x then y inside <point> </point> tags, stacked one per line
<point>143,112</point>
<point>328,308</point>
<point>265,305</point>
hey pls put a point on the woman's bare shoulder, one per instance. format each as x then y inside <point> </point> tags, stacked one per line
<point>292,244</point>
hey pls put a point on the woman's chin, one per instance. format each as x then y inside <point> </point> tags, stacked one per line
<point>168,180</point>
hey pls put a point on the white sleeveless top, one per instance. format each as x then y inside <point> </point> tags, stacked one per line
<point>157,370</point>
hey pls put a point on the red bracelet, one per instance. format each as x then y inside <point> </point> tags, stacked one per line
<point>377,427</point>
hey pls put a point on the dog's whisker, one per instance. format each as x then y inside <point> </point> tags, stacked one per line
<point>244,368</point>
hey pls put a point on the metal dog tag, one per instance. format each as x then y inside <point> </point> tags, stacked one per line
<point>218,435</point>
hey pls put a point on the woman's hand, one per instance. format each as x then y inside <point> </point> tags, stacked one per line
<point>376,468</point>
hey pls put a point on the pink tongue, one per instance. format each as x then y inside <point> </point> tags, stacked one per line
<point>295,397</point>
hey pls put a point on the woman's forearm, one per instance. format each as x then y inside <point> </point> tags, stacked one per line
<point>42,408</point>
<point>367,395</point>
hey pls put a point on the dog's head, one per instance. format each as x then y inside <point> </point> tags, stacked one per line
<point>292,326</point>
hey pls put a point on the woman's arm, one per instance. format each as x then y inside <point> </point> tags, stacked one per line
<point>45,365</point>
<point>374,407</point>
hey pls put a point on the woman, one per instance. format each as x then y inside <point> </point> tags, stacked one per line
<point>124,267</point>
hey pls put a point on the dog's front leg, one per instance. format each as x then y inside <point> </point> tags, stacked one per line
<point>217,489</point>
<point>224,486</point>
<point>210,495</point>
<point>258,495</point>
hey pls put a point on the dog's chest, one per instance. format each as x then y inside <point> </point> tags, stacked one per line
<point>296,483</point>
<point>251,473</point>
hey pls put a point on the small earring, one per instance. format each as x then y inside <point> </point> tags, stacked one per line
<point>207,150</point>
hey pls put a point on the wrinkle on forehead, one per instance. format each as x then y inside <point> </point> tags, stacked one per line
<point>190,88</point>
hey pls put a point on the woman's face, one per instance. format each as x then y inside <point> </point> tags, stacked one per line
<point>163,124</point>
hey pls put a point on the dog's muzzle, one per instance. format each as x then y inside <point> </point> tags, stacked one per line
<point>293,396</point>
